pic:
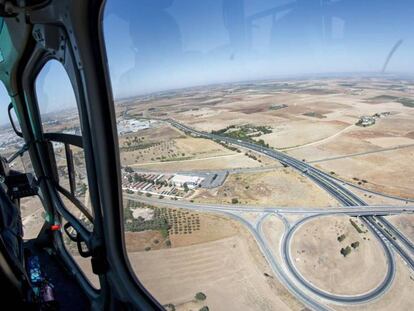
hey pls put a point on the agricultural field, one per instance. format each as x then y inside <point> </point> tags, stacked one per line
<point>278,187</point>
<point>312,120</point>
<point>167,149</point>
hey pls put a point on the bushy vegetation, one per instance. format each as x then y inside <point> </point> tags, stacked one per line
<point>407,102</point>
<point>130,146</point>
<point>159,223</point>
<point>200,296</point>
<point>357,228</point>
<point>166,220</point>
<point>169,307</point>
<point>341,237</point>
<point>245,132</point>
<point>355,244</point>
<point>205,308</point>
<point>346,251</point>
<point>227,146</point>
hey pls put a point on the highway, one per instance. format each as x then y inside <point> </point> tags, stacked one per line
<point>232,213</point>
<point>394,231</point>
<point>372,294</point>
<point>349,210</point>
<point>276,268</point>
<point>352,205</point>
<point>235,212</point>
<point>335,189</point>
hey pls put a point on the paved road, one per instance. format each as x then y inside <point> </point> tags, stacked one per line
<point>371,191</point>
<point>336,190</point>
<point>349,210</point>
<point>372,294</point>
<point>390,227</point>
<point>340,193</point>
<point>277,269</point>
<point>233,210</point>
<point>232,213</point>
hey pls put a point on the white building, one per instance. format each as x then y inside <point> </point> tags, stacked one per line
<point>366,121</point>
<point>133,125</point>
<point>191,181</point>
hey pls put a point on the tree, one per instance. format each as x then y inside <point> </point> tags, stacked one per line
<point>341,237</point>
<point>185,187</point>
<point>83,189</point>
<point>169,307</point>
<point>205,308</point>
<point>355,244</point>
<point>346,251</point>
<point>200,296</point>
<point>234,201</point>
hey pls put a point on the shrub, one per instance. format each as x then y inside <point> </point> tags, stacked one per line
<point>354,224</point>
<point>200,296</point>
<point>169,307</point>
<point>355,244</point>
<point>341,237</point>
<point>346,251</point>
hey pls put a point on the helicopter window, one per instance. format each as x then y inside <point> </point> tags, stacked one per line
<point>206,92</point>
<point>9,141</point>
<point>61,125</point>
<point>33,215</point>
<point>57,101</point>
<point>59,114</point>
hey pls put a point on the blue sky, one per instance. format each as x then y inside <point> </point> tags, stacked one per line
<point>159,44</point>
<point>155,45</point>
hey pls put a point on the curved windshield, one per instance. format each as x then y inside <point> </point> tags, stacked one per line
<point>265,150</point>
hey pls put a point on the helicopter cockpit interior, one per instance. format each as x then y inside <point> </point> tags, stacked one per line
<point>38,273</point>
<point>206,155</point>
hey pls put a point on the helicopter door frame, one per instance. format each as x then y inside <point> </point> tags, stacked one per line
<point>71,32</point>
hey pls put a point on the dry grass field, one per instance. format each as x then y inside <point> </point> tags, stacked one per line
<point>229,271</point>
<point>398,297</point>
<point>280,187</point>
<point>404,223</point>
<point>165,148</point>
<point>315,251</point>
<point>232,161</point>
<point>222,260</point>
<point>273,229</point>
<point>312,120</point>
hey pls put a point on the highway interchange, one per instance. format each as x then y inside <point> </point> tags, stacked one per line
<point>390,238</point>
